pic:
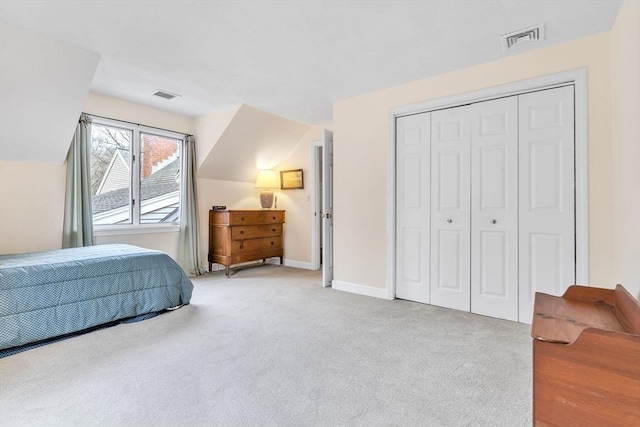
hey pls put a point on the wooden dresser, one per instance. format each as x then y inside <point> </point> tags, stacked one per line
<point>586,358</point>
<point>237,236</point>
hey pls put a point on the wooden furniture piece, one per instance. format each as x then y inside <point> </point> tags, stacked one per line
<point>586,358</point>
<point>237,236</point>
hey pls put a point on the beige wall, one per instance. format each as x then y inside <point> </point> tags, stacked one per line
<point>31,206</point>
<point>298,203</point>
<point>243,195</point>
<point>113,108</point>
<point>241,152</point>
<point>234,195</point>
<point>361,126</point>
<point>32,194</point>
<point>209,129</point>
<point>625,41</point>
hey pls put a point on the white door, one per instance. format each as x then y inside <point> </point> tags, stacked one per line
<point>547,199</point>
<point>412,207</point>
<point>450,208</point>
<point>316,230</point>
<point>327,208</point>
<point>494,208</point>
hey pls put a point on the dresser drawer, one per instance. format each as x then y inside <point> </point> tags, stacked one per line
<point>254,231</point>
<point>254,218</point>
<point>251,245</point>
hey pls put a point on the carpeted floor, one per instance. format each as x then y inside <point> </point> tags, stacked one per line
<point>271,347</point>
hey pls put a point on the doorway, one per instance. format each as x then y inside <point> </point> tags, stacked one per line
<point>322,207</point>
<point>316,226</point>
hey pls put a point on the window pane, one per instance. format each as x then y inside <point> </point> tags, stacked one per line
<point>111,175</point>
<point>159,179</point>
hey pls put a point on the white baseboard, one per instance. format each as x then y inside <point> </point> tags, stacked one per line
<point>298,264</point>
<point>360,289</point>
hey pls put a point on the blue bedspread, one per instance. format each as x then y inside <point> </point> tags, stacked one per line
<point>47,294</point>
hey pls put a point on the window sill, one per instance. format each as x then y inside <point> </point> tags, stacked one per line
<point>118,230</point>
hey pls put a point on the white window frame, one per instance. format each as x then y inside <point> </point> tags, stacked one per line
<point>135,227</point>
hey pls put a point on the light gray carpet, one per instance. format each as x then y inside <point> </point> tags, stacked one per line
<point>271,347</point>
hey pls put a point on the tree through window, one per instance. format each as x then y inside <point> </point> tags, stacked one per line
<point>135,175</point>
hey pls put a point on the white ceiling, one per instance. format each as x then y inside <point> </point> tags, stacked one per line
<point>290,58</point>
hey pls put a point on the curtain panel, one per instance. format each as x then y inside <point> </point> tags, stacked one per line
<point>77,228</point>
<point>189,239</point>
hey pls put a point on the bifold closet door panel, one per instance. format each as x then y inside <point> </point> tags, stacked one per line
<point>494,208</point>
<point>412,207</point>
<point>450,208</point>
<point>547,200</point>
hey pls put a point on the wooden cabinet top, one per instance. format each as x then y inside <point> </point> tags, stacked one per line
<point>247,211</point>
<point>562,319</point>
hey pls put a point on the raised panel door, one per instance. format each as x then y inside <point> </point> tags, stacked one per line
<point>412,207</point>
<point>494,208</point>
<point>450,208</point>
<point>547,200</point>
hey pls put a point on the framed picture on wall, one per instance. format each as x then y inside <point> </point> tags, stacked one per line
<point>291,179</point>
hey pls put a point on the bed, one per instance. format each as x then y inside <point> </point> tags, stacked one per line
<point>51,294</point>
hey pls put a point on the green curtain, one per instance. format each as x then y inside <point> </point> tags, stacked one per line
<point>77,228</point>
<point>189,240</point>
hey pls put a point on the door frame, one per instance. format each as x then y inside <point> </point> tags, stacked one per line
<point>578,78</point>
<point>316,204</point>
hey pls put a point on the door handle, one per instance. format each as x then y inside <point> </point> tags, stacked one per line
<point>493,221</point>
<point>449,220</point>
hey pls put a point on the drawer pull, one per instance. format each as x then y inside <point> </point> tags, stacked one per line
<point>271,243</point>
<point>273,217</point>
<point>241,218</point>
<point>273,229</point>
<point>241,246</point>
<point>241,231</point>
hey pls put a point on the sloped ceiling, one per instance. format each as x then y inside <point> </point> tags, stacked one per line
<point>43,85</point>
<point>243,142</point>
<point>292,58</point>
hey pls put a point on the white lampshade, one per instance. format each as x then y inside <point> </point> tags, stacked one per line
<point>267,178</point>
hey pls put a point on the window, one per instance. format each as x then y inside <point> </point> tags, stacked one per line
<point>135,174</point>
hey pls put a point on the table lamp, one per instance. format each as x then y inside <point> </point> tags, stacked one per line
<point>267,181</point>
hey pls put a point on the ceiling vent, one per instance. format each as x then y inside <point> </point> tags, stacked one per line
<point>164,94</point>
<point>523,37</point>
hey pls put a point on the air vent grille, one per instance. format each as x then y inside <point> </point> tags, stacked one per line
<point>523,37</point>
<point>164,94</point>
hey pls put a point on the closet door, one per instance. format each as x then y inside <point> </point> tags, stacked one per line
<point>494,208</point>
<point>450,208</point>
<point>547,200</point>
<point>412,207</point>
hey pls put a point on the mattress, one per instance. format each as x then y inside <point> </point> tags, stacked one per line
<point>49,294</point>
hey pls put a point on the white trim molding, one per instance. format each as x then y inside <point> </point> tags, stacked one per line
<point>360,289</point>
<point>577,78</point>
<point>298,264</point>
<point>119,230</point>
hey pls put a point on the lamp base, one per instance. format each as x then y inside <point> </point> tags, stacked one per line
<point>266,199</point>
